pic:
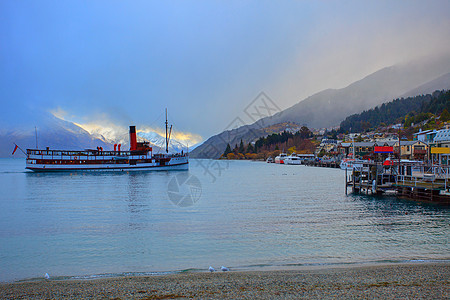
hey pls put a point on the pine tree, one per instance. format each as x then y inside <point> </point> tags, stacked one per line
<point>304,132</point>
<point>227,150</point>
<point>236,149</point>
<point>250,148</point>
<point>241,148</point>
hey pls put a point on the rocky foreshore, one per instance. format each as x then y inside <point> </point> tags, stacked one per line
<point>401,281</point>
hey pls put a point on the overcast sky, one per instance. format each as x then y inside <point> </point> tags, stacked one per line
<point>125,61</point>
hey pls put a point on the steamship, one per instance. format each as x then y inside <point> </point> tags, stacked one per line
<point>140,157</point>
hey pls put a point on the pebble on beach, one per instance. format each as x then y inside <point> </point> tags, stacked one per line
<point>399,281</point>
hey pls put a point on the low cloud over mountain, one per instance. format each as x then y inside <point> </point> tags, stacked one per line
<point>329,107</point>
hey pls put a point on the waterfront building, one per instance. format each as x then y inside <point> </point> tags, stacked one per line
<point>426,136</point>
<point>442,138</point>
<point>364,149</point>
<point>440,150</point>
<point>414,150</point>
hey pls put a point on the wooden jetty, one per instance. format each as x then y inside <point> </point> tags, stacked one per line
<point>408,180</point>
<point>323,164</point>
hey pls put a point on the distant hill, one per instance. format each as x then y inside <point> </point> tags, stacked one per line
<point>215,145</point>
<point>440,83</point>
<point>329,107</point>
<point>397,110</point>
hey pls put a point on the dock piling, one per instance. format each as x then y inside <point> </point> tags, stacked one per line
<point>379,179</point>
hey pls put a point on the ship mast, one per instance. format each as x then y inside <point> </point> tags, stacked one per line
<point>168,133</point>
<point>35,132</point>
<point>167,141</point>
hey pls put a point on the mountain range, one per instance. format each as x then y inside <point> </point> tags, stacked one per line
<point>59,134</point>
<point>158,142</point>
<point>329,107</point>
<point>321,110</point>
<point>51,132</point>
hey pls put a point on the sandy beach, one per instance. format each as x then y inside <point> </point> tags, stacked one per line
<point>413,281</point>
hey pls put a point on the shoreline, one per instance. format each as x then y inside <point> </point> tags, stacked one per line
<point>410,280</point>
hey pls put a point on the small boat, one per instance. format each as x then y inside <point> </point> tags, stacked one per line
<point>140,157</point>
<point>391,161</point>
<point>351,164</point>
<point>293,159</point>
<point>269,160</point>
<point>347,163</point>
<point>280,158</point>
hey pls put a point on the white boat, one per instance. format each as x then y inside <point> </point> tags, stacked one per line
<point>280,158</point>
<point>292,159</point>
<point>347,163</point>
<point>350,163</point>
<point>140,157</point>
<point>269,160</point>
<point>306,156</point>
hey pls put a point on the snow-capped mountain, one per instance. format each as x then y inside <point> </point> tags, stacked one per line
<point>52,132</point>
<point>158,142</point>
<point>58,134</point>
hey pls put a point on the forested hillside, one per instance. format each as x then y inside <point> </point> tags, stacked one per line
<point>299,142</point>
<point>404,110</point>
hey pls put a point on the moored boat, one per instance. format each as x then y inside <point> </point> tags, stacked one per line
<point>347,163</point>
<point>280,158</point>
<point>140,157</point>
<point>292,159</point>
<point>351,164</point>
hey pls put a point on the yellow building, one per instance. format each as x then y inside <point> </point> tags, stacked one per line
<point>440,155</point>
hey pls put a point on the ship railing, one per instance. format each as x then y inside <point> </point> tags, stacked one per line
<point>70,155</point>
<point>33,154</point>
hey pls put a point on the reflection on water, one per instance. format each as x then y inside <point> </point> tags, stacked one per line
<point>390,213</point>
<point>138,196</point>
<point>253,214</point>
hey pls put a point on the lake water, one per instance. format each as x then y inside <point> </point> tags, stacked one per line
<point>241,214</point>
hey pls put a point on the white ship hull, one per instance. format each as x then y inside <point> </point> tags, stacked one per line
<point>107,167</point>
<point>351,164</point>
<point>290,161</point>
<point>52,161</point>
<point>347,164</point>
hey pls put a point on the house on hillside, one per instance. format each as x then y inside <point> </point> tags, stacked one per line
<point>387,143</point>
<point>389,138</point>
<point>442,138</point>
<point>328,146</point>
<point>426,136</point>
<point>396,126</point>
<point>326,141</point>
<point>345,148</point>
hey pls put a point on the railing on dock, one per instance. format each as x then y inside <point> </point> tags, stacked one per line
<point>322,163</point>
<point>411,180</point>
